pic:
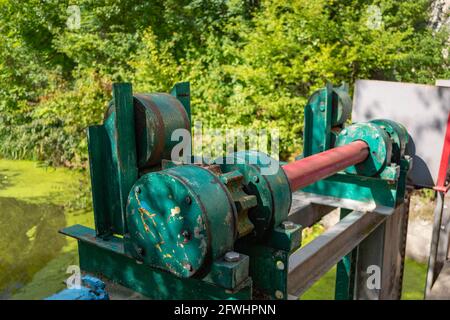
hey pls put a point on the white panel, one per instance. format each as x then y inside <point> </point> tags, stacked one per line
<point>443,83</point>
<point>422,109</point>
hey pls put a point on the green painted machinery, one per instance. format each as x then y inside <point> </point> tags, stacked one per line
<point>378,185</point>
<point>171,230</point>
<point>222,229</point>
<point>381,178</point>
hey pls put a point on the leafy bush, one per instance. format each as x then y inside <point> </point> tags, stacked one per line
<point>251,63</point>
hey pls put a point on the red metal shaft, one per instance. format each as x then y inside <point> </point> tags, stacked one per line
<point>306,171</point>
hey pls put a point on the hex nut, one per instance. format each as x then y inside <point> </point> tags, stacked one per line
<point>279,294</point>
<point>280,265</point>
<point>232,256</point>
<point>288,225</point>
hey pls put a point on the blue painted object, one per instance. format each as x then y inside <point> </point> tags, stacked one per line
<point>91,289</point>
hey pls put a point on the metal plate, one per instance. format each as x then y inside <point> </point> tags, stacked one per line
<point>422,109</point>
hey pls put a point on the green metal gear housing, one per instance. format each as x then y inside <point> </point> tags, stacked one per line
<point>398,134</point>
<point>157,116</point>
<point>180,219</point>
<point>379,143</point>
<point>272,190</point>
<point>387,142</point>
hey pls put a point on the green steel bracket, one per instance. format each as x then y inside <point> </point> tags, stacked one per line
<point>317,131</point>
<point>109,259</point>
<point>182,91</point>
<point>286,239</point>
<point>327,109</point>
<point>405,166</point>
<point>269,262</point>
<point>229,274</point>
<point>381,178</point>
<point>127,171</point>
<point>103,201</point>
<point>359,188</point>
<point>113,167</point>
<point>345,271</point>
<point>268,269</point>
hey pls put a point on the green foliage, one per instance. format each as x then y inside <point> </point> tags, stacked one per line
<point>428,195</point>
<point>251,63</point>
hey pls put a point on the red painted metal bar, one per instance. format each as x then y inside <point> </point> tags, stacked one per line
<point>445,158</point>
<point>304,172</point>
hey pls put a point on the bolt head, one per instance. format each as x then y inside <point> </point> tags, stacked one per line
<point>188,200</point>
<point>279,294</point>
<point>288,225</point>
<point>280,265</point>
<point>232,256</point>
<point>255,179</point>
<point>137,190</point>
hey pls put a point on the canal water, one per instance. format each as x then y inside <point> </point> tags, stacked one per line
<point>36,202</point>
<point>30,242</point>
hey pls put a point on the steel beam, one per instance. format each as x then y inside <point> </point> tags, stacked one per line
<point>305,212</point>
<point>311,262</point>
<point>439,251</point>
<point>380,259</point>
<point>308,208</point>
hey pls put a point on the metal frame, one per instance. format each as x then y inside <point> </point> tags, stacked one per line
<point>439,251</point>
<point>372,211</point>
<point>437,286</point>
<point>108,258</point>
<point>361,239</point>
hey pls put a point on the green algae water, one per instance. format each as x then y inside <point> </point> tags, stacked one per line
<point>35,202</point>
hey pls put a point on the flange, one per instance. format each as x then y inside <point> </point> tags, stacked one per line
<point>379,143</point>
